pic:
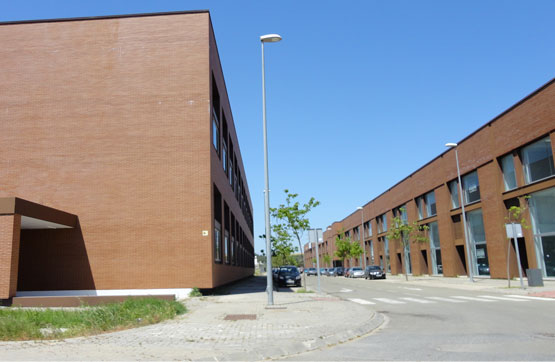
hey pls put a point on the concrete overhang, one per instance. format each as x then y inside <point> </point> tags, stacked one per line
<point>36,216</point>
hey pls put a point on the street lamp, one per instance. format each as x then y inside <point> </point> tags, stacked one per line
<point>269,38</point>
<point>466,242</point>
<point>361,233</point>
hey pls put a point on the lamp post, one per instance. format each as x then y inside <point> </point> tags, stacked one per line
<point>269,38</point>
<point>361,233</point>
<point>466,242</point>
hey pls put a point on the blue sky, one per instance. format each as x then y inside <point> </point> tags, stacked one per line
<point>360,93</point>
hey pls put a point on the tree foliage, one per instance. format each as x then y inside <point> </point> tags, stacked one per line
<point>343,246</point>
<point>291,219</point>
<point>356,250</point>
<point>406,233</point>
<point>327,259</point>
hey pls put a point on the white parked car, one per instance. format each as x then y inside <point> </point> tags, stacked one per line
<point>356,273</point>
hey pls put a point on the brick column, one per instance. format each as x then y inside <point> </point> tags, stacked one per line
<point>10,226</point>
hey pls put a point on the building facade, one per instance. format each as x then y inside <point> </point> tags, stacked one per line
<point>124,123</point>
<point>507,162</point>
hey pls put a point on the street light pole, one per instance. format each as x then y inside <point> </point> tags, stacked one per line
<point>361,233</point>
<point>270,38</point>
<point>466,241</point>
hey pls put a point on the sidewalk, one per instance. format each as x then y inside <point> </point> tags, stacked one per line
<point>235,326</point>
<point>480,283</point>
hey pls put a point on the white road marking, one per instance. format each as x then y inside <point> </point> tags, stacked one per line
<point>344,290</point>
<point>531,298</point>
<point>503,298</point>
<point>389,301</point>
<point>361,301</point>
<point>412,288</point>
<point>472,298</point>
<point>422,301</point>
<point>447,300</point>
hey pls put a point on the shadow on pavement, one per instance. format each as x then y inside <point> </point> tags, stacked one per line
<point>253,284</point>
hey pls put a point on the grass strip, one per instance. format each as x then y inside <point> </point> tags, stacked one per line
<point>25,324</point>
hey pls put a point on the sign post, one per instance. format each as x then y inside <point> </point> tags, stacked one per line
<point>315,235</point>
<point>514,231</point>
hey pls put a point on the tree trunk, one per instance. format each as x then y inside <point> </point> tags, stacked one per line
<point>304,266</point>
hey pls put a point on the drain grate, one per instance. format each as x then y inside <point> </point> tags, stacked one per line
<point>240,317</point>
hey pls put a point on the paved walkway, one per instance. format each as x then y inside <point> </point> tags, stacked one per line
<point>479,284</point>
<point>222,327</point>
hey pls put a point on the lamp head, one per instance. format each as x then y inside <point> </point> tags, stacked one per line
<point>451,145</point>
<point>359,208</point>
<point>270,38</point>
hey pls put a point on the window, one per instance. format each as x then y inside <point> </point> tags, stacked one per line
<point>382,223</point>
<point>430,203</point>
<point>537,160</point>
<point>371,252</point>
<point>508,169</point>
<point>435,251</point>
<point>368,229</point>
<point>454,190</point>
<point>231,170</point>
<point>401,212</point>
<point>217,241</point>
<point>420,207</point>
<point>215,132</point>
<point>477,237</point>
<point>471,188</point>
<point>542,210</point>
<point>356,234</point>
<point>347,234</point>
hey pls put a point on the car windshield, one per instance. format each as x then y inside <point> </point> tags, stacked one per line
<point>357,269</point>
<point>288,270</point>
<point>374,268</point>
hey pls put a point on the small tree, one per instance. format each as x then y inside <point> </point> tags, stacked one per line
<point>356,250</point>
<point>516,216</point>
<point>327,259</point>
<point>293,218</point>
<point>407,233</point>
<point>343,246</point>
<point>313,261</point>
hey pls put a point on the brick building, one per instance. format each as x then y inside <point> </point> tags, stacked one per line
<point>507,162</point>
<point>119,132</point>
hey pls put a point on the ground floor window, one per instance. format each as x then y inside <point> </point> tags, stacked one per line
<point>408,264</point>
<point>226,247</point>
<point>435,250</point>
<point>477,235</point>
<point>542,210</point>
<point>217,241</point>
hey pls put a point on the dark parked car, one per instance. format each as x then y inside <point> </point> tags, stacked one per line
<point>289,275</point>
<point>339,271</point>
<point>374,272</point>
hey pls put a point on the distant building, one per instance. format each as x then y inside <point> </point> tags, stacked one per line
<point>124,123</point>
<point>507,160</point>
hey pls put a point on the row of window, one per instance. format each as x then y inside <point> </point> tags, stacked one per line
<point>231,244</point>
<point>224,148</point>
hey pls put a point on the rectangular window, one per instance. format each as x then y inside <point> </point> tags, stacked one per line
<point>435,250</point>
<point>356,233</point>
<point>215,132</point>
<point>508,169</point>
<point>230,171</point>
<point>478,247</point>
<point>431,203</point>
<point>542,210</point>
<point>471,188</point>
<point>224,157</point>
<point>420,206</point>
<point>368,229</point>
<point>217,241</point>
<point>384,223</point>
<point>537,160</point>
<point>454,190</point>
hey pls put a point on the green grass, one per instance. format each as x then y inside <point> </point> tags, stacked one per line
<point>304,290</point>
<point>24,324</point>
<point>195,293</point>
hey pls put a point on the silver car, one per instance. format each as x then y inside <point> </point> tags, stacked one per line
<point>356,273</point>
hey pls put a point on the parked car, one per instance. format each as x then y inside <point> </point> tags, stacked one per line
<point>374,272</point>
<point>310,271</point>
<point>347,272</point>
<point>289,275</point>
<point>356,272</point>
<point>339,271</point>
<point>323,271</point>
<point>331,272</point>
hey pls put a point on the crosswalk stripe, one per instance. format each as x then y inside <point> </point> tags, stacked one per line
<point>422,301</point>
<point>531,298</point>
<point>361,301</point>
<point>473,298</point>
<point>447,300</point>
<point>389,301</point>
<point>503,298</point>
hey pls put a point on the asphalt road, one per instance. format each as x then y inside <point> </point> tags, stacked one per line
<point>431,323</point>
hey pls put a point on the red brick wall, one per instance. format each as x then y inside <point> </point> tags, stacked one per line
<point>109,119</point>
<point>527,121</point>
<point>9,254</point>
